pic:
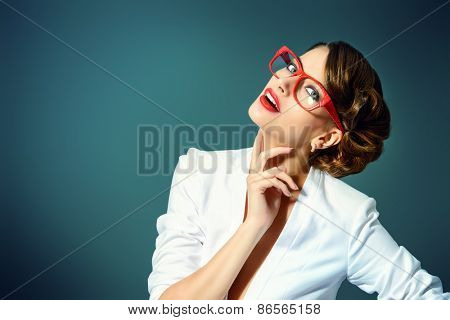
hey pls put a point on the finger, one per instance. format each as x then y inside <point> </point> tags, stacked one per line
<point>288,179</point>
<point>269,173</point>
<point>279,184</point>
<point>264,184</point>
<point>280,174</point>
<point>257,147</point>
<point>275,183</point>
<point>268,154</point>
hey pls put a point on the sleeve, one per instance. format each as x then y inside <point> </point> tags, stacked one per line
<point>377,263</point>
<point>181,235</point>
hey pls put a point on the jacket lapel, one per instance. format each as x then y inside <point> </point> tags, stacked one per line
<point>238,186</point>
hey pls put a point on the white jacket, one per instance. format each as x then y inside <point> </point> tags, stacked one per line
<point>332,233</point>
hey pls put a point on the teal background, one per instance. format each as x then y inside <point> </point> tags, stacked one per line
<point>69,129</point>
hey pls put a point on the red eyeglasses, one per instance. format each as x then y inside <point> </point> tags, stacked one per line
<point>309,92</point>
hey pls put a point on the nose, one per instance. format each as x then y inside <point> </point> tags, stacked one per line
<point>283,86</point>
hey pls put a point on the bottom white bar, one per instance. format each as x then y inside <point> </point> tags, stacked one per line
<point>222,309</point>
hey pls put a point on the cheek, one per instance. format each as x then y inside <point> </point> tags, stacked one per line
<point>301,117</point>
<point>288,127</point>
<point>295,126</point>
<point>296,116</point>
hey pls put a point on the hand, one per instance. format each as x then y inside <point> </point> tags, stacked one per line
<point>266,187</point>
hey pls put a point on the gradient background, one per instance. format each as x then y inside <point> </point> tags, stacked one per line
<point>68,128</point>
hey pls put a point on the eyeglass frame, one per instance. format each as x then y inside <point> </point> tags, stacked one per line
<point>325,102</point>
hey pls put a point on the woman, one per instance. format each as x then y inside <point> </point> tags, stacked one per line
<point>283,225</point>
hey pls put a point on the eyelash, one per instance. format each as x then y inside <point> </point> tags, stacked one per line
<point>317,95</point>
<point>291,64</point>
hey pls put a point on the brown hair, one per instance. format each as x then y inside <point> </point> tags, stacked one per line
<point>355,88</point>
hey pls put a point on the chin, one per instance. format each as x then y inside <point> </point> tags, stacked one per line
<point>259,115</point>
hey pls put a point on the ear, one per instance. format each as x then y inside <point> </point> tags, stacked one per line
<point>327,139</point>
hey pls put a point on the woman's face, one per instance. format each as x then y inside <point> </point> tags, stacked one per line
<point>293,125</point>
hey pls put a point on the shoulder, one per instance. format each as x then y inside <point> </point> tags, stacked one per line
<point>206,176</point>
<point>347,202</point>
<point>215,161</point>
<point>341,192</point>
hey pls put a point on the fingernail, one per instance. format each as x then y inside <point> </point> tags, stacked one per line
<point>296,187</point>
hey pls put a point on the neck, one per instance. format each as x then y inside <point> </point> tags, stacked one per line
<point>296,162</point>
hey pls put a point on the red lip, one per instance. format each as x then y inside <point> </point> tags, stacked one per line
<point>273,94</point>
<point>266,104</point>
